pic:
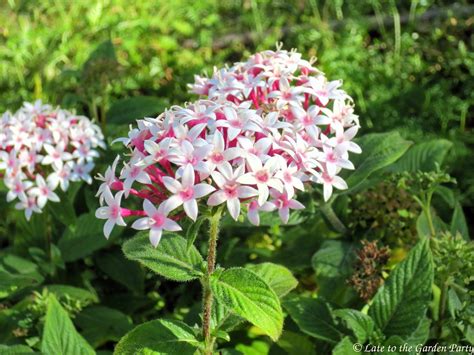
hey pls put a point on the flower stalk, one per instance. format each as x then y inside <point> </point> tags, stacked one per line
<point>209,340</point>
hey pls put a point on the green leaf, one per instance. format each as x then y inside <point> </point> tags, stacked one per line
<point>423,156</point>
<point>361,324</point>
<point>102,324</point>
<point>59,335</point>
<point>15,350</point>
<point>104,51</point>
<point>278,277</point>
<point>454,303</point>
<point>83,238</point>
<point>63,211</point>
<point>78,294</point>
<point>313,316</point>
<point>160,336</point>
<point>333,265</point>
<point>128,110</point>
<point>250,297</point>
<point>345,347</point>
<point>222,317</point>
<point>193,230</point>
<point>379,150</point>
<point>419,336</point>
<point>171,258</point>
<point>124,271</point>
<point>458,222</point>
<point>17,273</point>
<point>295,344</point>
<point>401,302</point>
<point>256,347</point>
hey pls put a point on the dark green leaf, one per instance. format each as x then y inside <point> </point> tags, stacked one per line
<point>193,230</point>
<point>128,110</point>
<point>102,324</point>
<point>122,270</point>
<point>160,336</point>
<point>379,150</point>
<point>401,302</point>
<point>63,211</point>
<point>423,156</point>
<point>83,238</point>
<point>313,316</point>
<point>345,347</point>
<point>458,222</point>
<point>333,265</point>
<point>75,293</point>
<point>361,324</point>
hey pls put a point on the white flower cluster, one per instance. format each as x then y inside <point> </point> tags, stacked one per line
<point>264,128</point>
<point>43,148</point>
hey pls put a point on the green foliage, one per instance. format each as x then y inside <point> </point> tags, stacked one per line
<point>401,303</point>
<point>277,277</point>
<point>314,317</point>
<point>102,324</point>
<point>169,336</point>
<point>361,324</point>
<point>249,296</point>
<point>126,111</point>
<point>59,334</point>
<point>333,266</point>
<point>171,258</point>
<point>424,156</point>
<point>378,151</point>
<point>82,238</point>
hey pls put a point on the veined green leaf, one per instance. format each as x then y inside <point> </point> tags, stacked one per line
<point>250,297</point>
<point>361,324</point>
<point>161,336</point>
<point>401,302</point>
<point>171,258</point>
<point>59,335</point>
<point>423,156</point>
<point>378,151</point>
<point>313,316</point>
<point>278,277</point>
<point>345,347</point>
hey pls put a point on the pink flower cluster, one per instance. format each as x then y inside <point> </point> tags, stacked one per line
<point>41,149</point>
<point>264,129</point>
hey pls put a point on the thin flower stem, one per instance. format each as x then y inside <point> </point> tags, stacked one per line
<point>214,221</point>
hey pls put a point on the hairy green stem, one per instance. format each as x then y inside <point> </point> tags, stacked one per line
<point>328,212</point>
<point>207,298</point>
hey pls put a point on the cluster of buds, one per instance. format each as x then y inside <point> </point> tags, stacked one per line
<point>262,130</point>
<point>43,148</point>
